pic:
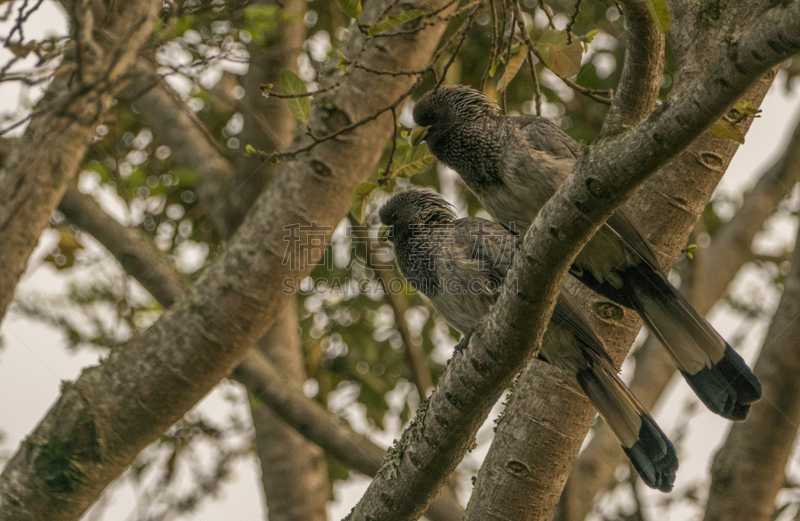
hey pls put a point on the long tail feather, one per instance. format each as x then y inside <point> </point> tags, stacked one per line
<point>650,451</point>
<point>715,372</point>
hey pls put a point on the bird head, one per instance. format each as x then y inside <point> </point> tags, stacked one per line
<point>414,206</point>
<point>441,110</point>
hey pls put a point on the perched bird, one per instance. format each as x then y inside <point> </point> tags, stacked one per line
<point>459,264</point>
<point>514,164</point>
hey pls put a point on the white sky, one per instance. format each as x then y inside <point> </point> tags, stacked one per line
<point>33,361</point>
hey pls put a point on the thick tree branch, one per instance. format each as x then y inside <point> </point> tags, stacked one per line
<point>711,272</point>
<point>102,420</point>
<point>37,171</point>
<point>268,123</point>
<point>503,342</point>
<point>294,473</point>
<point>139,256</point>
<point>262,378</point>
<point>753,460</point>
<point>638,86</point>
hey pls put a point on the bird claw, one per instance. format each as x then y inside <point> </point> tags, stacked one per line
<point>463,343</point>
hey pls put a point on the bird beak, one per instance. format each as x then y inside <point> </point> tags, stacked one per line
<point>384,234</point>
<point>418,135</point>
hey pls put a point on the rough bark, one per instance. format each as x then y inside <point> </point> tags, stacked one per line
<point>268,123</point>
<point>293,470</point>
<point>108,36</point>
<point>641,72</point>
<point>102,420</point>
<point>263,379</point>
<point>604,178</point>
<point>753,460</point>
<point>711,272</point>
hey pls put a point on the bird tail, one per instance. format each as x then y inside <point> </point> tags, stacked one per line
<point>716,373</point>
<point>650,451</point>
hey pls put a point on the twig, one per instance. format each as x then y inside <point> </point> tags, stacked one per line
<point>537,91</point>
<point>516,16</point>
<point>464,30</point>
<point>572,21</point>
<point>495,43</point>
<point>547,13</point>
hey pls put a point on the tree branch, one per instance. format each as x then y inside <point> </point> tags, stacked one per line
<point>504,341</point>
<point>262,378</point>
<point>37,172</point>
<point>179,128</point>
<point>711,272</point>
<point>101,421</point>
<point>294,473</point>
<point>639,83</point>
<point>753,460</point>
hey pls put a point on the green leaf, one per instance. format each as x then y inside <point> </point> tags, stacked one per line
<point>660,13</point>
<point>394,21</point>
<point>343,61</point>
<point>413,162</point>
<point>359,200</point>
<point>561,58</point>
<point>591,35</point>
<point>351,8</point>
<point>292,84</point>
<point>725,129</point>
<point>513,67</point>
<point>746,109</point>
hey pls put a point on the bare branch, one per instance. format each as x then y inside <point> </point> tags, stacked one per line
<point>39,168</point>
<point>753,460</point>
<point>113,410</point>
<point>638,86</point>
<point>504,341</point>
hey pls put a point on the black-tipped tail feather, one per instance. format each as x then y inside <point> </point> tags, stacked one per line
<point>648,448</point>
<point>658,473</point>
<point>715,372</point>
<point>728,388</point>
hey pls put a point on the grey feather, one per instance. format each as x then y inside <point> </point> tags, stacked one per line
<point>514,165</point>
<point>459,264</point>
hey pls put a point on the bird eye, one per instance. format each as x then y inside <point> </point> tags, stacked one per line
<point>394,216</point>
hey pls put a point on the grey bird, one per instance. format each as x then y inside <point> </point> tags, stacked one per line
<point>459,264</point>
<point>514,164</point>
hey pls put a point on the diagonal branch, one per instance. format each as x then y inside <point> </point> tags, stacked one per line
<point>36,173</point>
<point>711,272</point>
<point>102,420</point>
<point>752,462</point>
<point>602,180</point>
<point>157,274</point>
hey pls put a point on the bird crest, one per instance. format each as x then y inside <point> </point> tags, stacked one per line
<point>462,99</point>
<point>418,206</point>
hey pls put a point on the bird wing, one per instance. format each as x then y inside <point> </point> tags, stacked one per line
<point>568,315</point>
<point>623,226</point>
<point>488,244</point>
<point>544,135</point>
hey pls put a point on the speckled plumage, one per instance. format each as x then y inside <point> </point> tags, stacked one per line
<point>459,265</point>
<point>514,164</point>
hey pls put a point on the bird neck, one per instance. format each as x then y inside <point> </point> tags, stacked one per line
<point>419,250</point>
<point>473,150</point>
